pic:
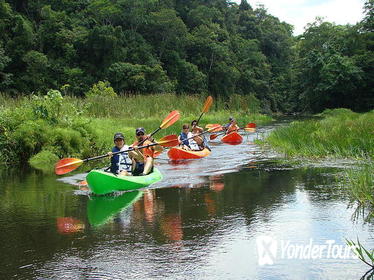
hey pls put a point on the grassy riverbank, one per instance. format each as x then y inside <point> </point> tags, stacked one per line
<point>338,133</point>
<point>41,129</point>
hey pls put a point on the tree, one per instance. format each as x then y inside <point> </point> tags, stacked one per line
<point>127,77</point>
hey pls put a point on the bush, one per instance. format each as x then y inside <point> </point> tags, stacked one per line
<point>48,107</point>
<point>101,89</point>
<point>44,160</point>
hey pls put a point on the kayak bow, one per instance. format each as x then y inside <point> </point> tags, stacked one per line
<point>101,182</point>
<point>232,138</point>
<point>181,154</point>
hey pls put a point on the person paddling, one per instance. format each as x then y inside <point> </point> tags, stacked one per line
<point>120,163</point>
<point>231,126</point>
<point>200,140</point>
<point>183,137</point>
<point>143,159</point>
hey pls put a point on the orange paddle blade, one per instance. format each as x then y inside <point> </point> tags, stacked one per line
<point>216,128</point>
<point>208,103</point>
<point>250,129</point>
<point>213,136</point>
<point>212,125</point>
<point>169,141</point>
<point>250,125</point>
<point>170,119</point>
<point>66,165</point>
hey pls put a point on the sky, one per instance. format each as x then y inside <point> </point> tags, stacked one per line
<point>300,12</point>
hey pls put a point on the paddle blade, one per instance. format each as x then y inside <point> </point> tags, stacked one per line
<point>208,103</point>
<point>212,125</point>
<point>169,141</point>
<point>213,136</point>
<point>67,165</point>
<point>216,128</point>
<point>250,129</point>
<point>170,119</point>
<point>250,125</point>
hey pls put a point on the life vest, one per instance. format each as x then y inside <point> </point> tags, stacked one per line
<point>233,127</point>
<point>146,152</point>
<point>184,137</point>
<point>193,145</point>
<point>120,162</point>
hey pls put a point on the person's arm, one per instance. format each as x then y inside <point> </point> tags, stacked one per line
<point>200,129</point>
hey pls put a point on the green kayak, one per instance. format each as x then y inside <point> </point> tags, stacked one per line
<point>101,182</point>
<point>101,208</point>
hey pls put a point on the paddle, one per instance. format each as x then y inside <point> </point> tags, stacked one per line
<point>67,165</point>
<point>215,128</point>
<point>168,121</point>
<point>249,127</point>
<point>207,104</point>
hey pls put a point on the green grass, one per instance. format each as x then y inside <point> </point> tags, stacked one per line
<point>360,181</point>
<point>340,134</point>
<point>35,128</point>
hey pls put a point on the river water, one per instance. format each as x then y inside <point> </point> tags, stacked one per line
<point>238,214</point>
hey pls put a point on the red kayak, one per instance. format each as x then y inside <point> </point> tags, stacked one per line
<point>180,154</point>
<point>232,138</point>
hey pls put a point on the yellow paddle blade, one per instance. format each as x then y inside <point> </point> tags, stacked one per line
<point>250,129</point>
<point>209,125</point>
<point>208,103</point>
<point>215,128</point>
<point>250,125</point>
<point>170,119</point>
<point>67,165</point>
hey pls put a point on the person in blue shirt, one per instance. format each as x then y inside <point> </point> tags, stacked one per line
<point>120,163</point>
<point>183,137</point>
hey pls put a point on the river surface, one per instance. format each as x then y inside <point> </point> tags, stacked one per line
<point>238,214</point>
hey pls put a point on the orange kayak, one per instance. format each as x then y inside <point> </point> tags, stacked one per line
<point>232,138</point>
<point>180,154</point>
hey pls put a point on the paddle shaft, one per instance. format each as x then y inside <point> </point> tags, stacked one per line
<point>220,133</point>
<point>119,152</point>
<point>197,122</point>
<point>150,135</point>
<point>207,131</point>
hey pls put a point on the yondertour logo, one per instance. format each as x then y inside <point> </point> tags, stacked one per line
<point>270,249</point>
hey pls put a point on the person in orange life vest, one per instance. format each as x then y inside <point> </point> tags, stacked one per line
<point>143,158</point>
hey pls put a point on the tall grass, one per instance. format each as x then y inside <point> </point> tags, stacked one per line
<point>361,184</point>
<point>341,133</point>
<point>43,127</point>
<point>146,106</point>
<point>338,133</point>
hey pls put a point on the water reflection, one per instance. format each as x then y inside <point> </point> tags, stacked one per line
<point>200,222</point>
<point>66,225</point>
<point>100,209</point>
<point>216,183</point>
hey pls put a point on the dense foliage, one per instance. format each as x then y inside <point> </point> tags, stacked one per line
<point>191,47</point>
